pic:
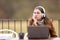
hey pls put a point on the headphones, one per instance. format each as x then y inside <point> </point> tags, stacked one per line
<point>43,14</point>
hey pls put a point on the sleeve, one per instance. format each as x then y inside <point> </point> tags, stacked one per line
<point>30,22</point>
<point>52,31</point>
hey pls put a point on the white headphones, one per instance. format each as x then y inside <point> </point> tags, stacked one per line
<point>43,14</point>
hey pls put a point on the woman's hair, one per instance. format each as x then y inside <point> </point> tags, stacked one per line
<point>40,8</point>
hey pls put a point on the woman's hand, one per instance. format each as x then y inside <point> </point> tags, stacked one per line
<point>35,21</point>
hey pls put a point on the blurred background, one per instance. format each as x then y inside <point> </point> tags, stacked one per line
<point>23,9</point>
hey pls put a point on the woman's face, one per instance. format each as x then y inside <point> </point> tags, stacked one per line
<point>37,14</point>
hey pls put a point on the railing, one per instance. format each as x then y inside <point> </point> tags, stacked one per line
<point>14,21</point>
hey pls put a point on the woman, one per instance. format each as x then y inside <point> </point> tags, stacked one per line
<point>39,17</point>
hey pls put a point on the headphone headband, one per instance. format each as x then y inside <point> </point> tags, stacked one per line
<point>41,7</point>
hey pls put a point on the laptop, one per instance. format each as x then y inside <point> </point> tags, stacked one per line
<point>38,32</point>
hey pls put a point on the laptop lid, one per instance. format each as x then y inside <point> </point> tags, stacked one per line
<point>38,32</point>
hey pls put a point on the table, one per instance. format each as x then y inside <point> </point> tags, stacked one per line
<point>37,39</point>
<point>45,39</point>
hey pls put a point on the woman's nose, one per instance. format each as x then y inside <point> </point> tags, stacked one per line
<point>36,14</point>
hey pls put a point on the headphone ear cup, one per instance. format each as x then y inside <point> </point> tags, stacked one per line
<point>43,15</point>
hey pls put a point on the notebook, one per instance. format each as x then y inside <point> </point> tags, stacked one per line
<point>38,32</point>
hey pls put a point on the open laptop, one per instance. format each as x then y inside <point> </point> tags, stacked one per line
<point>38,32</point>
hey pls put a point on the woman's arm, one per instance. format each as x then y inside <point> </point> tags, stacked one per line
<point>52,29</point>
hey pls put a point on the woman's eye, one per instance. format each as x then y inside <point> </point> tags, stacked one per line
<point>38,13</point>
<point>34,12</point>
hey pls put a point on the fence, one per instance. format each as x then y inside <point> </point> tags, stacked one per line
<point>18,25</point>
